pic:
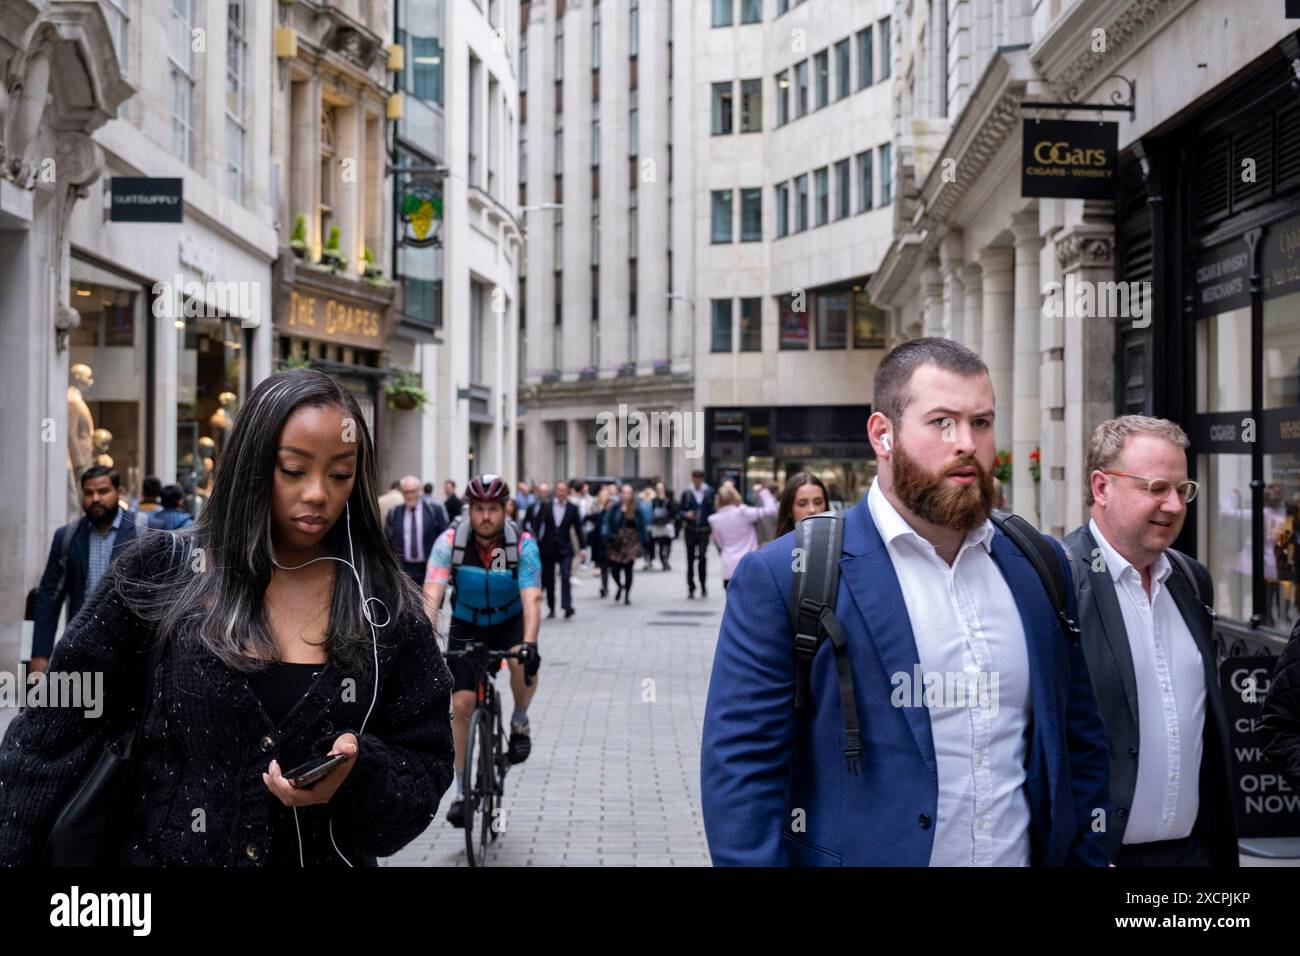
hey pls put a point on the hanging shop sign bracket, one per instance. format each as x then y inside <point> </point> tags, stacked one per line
<point>1117,102</point>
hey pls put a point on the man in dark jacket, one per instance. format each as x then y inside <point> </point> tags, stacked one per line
<point>695,507</point>
<point>413,527</point>
<point>172,516</point>
<point>1144,613</point>
<point>453,503</point>
<point>72,571</point>
<point>552,521</point>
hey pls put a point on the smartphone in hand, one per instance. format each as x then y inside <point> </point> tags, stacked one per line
<point>314,769</point>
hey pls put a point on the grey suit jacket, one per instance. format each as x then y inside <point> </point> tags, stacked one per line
<point>1110,662</point>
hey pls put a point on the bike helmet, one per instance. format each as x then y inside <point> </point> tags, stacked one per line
<point>487,488</point>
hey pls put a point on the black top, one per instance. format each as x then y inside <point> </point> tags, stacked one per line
<point>282,684</point>
<point>206,741</point>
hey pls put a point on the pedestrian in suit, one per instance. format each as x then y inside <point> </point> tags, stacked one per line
<point>695,507</point>
<point>1147,633</point>
<point>554,522</point>
<point>413,527</point>
<point>1013,776</point>
<point>453,504</point>
<point>97,538</point>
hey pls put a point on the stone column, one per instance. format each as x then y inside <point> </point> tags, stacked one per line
<point>1025,373</point>
<point>954,295</point>
<point>1086,250</point>
<point>972,280</point>
<point>932,298</point>
<point>997,341</point>
<point>1051,338</point>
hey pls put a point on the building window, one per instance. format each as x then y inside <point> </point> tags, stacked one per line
<point>832,320</point>
<point>794,322</point>
<point>493,135</point>
<point>782,209</point>
<point>595,37</point>
<point>426,69</point>
<point>327,172</point>
<point>722,12</point>
<point>559,49</point>
<point>822,181</point>
<point>751,215</point>
<point>523,152</point>
<point>474,122</point>
<point>721,325</point>
<point>886,176</point>
<point>559,144</point>
<point>822,62</point>
<point>559,448</point>
<point>119,25</point>
<point>751,11</point>
<point>801,203</point>
<point>595,134</point>
<point>595,238</point>
<point>557,239</point>
<point>722,108</point>
<point>721,207</point>
<point>885,54</point>
<point>751,106</point>
<point>751,325</point>
<point>864,181</point>
<point>843,69</point>
<point>800,88</point>
<point>634,30</point>
<point>182,78</point>
<point>865,58</point>
<point>633,227</point>
<point>477,292</point>
<point>633,125</point>
<point>523,64</point>
<point>868,323</point>
<point>842,179</point>
<point>783,98</point>
<point>236,56</point>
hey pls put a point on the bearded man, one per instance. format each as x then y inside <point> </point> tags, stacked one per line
<point>931,591</point>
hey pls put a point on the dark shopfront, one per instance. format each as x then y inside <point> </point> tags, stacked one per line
<point>746,445</point>
<point>1221,355</point>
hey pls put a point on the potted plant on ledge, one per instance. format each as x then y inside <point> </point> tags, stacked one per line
<point>662,366</point>
<point>627,370</point>
<point>586,373</point>
<point>550,378</point>
<point>331,256</point>
<point>404,391</point>
<point>298,241</point>
<point>371,272</point>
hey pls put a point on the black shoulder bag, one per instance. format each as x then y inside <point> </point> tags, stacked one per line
<point>91,828</point>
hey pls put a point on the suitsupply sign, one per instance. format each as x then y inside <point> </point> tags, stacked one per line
<point>1065,159</point>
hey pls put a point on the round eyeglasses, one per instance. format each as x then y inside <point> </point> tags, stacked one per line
<point>1159,488</point>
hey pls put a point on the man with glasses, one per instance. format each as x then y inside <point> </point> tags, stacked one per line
<point>1146,621</point>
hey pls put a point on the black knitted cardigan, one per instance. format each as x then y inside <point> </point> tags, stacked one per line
<point>199,799</point>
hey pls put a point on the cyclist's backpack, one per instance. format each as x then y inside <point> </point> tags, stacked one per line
<point>485,596</point>
<point>815,586</point>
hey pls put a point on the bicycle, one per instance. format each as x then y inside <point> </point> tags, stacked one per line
<point>485,752</point>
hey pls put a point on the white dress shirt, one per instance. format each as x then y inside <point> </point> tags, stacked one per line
<point>1170,678</point>
<point>976,635</point>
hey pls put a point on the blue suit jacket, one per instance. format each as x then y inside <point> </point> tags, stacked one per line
<point>759,764</point>
<point>49,599</point>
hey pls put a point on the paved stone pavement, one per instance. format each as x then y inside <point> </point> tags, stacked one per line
<point>612,780</point>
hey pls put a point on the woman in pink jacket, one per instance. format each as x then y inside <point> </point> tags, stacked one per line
<point>733,525</point>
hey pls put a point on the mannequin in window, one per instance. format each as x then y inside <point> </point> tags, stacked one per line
<point>102,438</point>
<point>207,462</point>
<point>222,420</point>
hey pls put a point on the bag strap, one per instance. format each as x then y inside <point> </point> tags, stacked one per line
<point>814,588</point>
<point>1180,561</point>
<point>1034,546</point>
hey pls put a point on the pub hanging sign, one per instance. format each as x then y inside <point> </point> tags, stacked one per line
<point>1069,159</point>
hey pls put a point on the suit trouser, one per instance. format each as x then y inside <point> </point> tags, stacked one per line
<point>1189,851</point>
<point>697,549</point>
<point>564,558</point>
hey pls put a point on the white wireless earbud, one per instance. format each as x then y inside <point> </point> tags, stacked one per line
<point>887,442</point>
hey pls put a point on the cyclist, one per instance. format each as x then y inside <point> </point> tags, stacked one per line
<point>496,570</point>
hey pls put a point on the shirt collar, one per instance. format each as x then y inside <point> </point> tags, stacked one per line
<point>1116,563</point>
<point>893,525</point>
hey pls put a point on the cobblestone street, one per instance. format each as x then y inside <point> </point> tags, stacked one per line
<point>613,777</point>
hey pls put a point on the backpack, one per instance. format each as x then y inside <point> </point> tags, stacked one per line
<point>815,587</point>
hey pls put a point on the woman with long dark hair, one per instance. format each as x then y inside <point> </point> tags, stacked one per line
<point>804,494</point>
<point>279,628</point>
<point>625,527</point>
<point>596,535</point>
<point>662,523</point>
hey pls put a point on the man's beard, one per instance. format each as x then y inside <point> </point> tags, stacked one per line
<point>958,507</point>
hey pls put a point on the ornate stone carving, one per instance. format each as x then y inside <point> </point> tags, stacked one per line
<point>1137,21</point>
<point>1078,250</point>
<point>78,159</point>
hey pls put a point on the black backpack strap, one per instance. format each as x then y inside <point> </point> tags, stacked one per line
<point>814,587</point>
<point>1034,546</point>
<point>65,548</point>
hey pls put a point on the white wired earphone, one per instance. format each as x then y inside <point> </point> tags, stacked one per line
<point>365,612</point>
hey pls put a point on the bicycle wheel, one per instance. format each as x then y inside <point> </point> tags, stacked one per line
<point>479,786</point>
<point>499,767</point>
